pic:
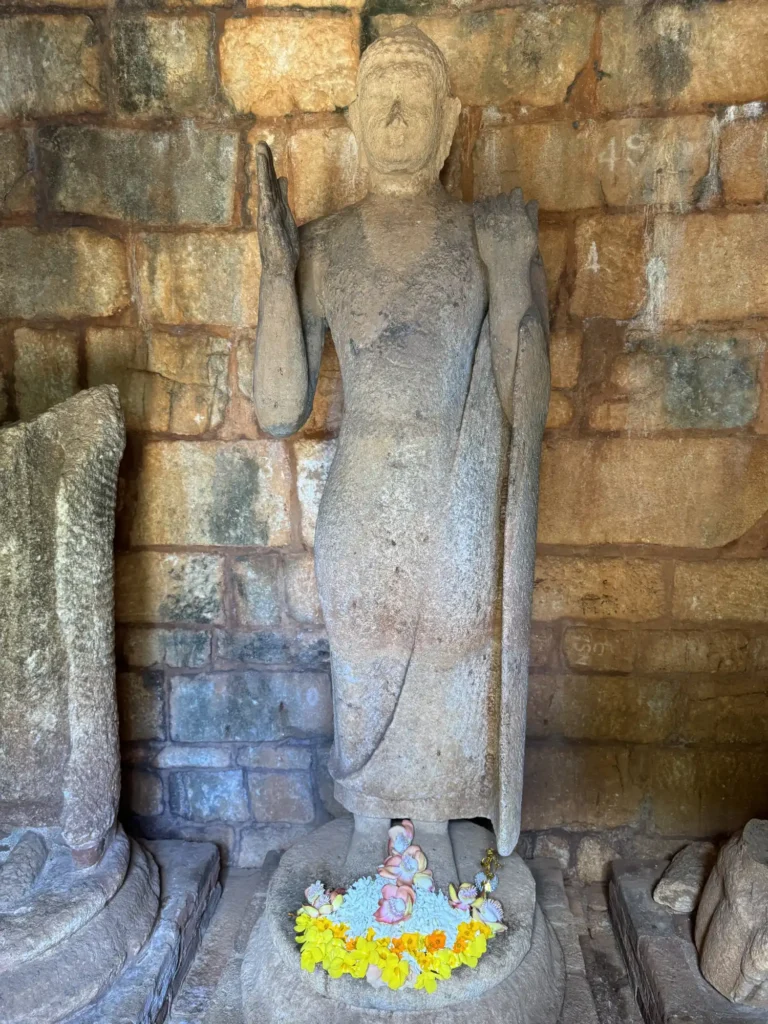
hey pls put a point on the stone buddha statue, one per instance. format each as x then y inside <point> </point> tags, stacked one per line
<point>426,530</point>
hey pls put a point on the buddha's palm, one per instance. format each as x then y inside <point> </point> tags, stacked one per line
<point>278,234</point>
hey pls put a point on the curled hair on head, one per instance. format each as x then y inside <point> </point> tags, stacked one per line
<point>406,44</point>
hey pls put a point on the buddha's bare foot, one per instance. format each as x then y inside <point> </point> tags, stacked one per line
<point>368,848</point>
<point>434,839</point>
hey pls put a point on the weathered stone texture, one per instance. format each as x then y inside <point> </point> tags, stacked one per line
<point>603,650</point>
<point>168,383</point>
<point>209,796</point>
<point>152,586</point>
<point>313,461</point>
<point>560,411</point>
<point>141,705</point>
<point>155,177</point>
<point>200,278</point>
<point>143,793</point>
<point>744,160</point>
<point>681,492</point>
<point>680,57</point>
<point>49,64</point>
<point>257,590</point>
<point>213,493</point>
<point>249,706</point>
<point>621,163</point>
<point>164,66</point>
<point>45,369</point>
<point>274,66</point>
<point>693,651</point>
<point>501,58</point>
<point>72,273</point>
<point>725,590</point>
<point>714,266</point>
<point>598,588</point>
<point>610,267</point>
<point>565,358</point>
<point>281,796</point>
<point>16,183</point>
<point>142,648</point>
<point>302,599</point>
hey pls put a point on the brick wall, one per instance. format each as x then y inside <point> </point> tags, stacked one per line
<point>128,255</point>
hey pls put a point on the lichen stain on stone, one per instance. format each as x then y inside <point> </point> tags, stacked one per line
<point>667,63</point>
<point>140,79</point>
<point>236,486</point>
<point>710,385</point>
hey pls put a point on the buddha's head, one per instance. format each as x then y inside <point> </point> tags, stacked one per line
<point>404,116</point>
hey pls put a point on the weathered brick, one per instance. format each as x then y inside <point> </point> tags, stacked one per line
<point>256,590</point>
<point>45,369</point>
<point>684,492</point>
<point>322,168</point>
<point>167,383</point>
<point>213,492</point>
<point>203,278</point>
<point>610,266</point>
<point>722,590</point>
<point>725,711</point>
<point>301,595</point>
<point>557,847</point>
<point>621,163</point>
<point>257,841</point>
<point>279,756</point>
<point>49,64</point>
<point>152,586</point>
<point>143,793</point>
<point>209,796</point>
<point>68,274</point>
<point>313,462</point>
<point>565,358</point>
<point>281,796</point>
<point>250,706</point>
<point>526,56</point>
<point>155,177</point>
<point>601,650</point>
<point>692,651</point>
<point>681,381</point>
<point>141,705</point>
<point>553,245</point>
<point>706,792</point>
<point>587,786</point>
<point>179,648</point>
<point>677,56</point>
<point>353,5</point>
<point>619,708</point>
<point>308,649</point>
<point>560,412</point>
<point>593,860</point>
<point>164,66</point>
<point>597,588</point>
<point>274,66</point>
<point>183,755</point>
<point>541,647</point>
<point>714,266</point>
<point>758,653</point>
<point>17,186</point>
<point>744,160</point>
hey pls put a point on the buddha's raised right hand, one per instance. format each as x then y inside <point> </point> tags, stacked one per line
<point>278,234</point>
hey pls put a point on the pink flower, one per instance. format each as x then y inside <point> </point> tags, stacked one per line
<point>400,837</point>
<point>396,904</point>
<point>408,868</point>
<point>321,903</point>
<point>464,898</point>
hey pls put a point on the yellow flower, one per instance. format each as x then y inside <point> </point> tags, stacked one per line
<point>426,980</point>
<point>395,972</point>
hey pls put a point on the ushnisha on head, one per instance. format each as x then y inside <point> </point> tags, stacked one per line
<point>404,116</point>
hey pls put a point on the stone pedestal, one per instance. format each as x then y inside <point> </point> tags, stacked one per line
<point>661,956</point>
<point>520,980</point>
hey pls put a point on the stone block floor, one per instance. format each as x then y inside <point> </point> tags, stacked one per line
<point>211,991</point>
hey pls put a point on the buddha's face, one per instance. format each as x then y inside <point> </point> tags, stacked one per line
<point>400,118</point>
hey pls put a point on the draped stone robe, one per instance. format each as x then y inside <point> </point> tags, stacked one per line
<point>424,563</point>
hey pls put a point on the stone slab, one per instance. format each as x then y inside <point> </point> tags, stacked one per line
<point>189,893</point>
<point>211,992</point>
<point>661,957</point>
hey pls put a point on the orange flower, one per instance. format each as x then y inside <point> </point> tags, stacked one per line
<point>435,941</point>
<point>398,946</point>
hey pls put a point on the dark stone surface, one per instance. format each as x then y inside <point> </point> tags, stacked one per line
<point>661,957</point>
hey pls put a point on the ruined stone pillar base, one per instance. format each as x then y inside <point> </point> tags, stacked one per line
<point>520,979</point>
<point>106,943</point>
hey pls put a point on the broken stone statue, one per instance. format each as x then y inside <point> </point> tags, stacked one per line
<point>732,919</point>
<point>425,538</point>
<point>680,887</point>
<point>78,899</point>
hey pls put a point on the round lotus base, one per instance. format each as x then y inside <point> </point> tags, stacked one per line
<point>519,980</point>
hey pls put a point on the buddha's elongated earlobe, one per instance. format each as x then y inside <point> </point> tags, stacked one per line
<point>353,119</point>
<point>450,121</point>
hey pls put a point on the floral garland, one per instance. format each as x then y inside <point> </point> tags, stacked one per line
<point>397,930</point>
